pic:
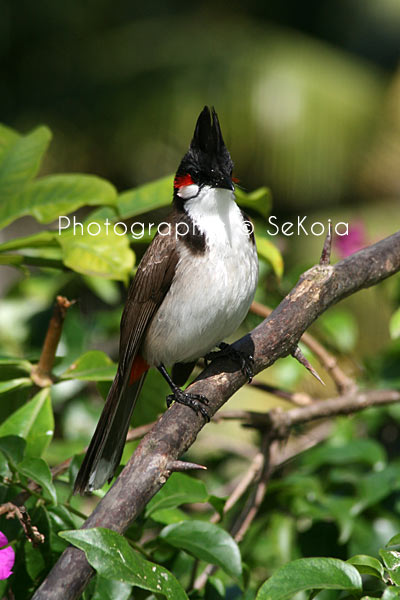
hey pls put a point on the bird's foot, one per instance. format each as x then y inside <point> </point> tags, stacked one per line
<point>195,401</point>
<point>245,361</point>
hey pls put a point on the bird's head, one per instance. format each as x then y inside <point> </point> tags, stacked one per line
<point>207,162</point>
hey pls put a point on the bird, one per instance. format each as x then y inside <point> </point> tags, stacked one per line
<point>192,289</point>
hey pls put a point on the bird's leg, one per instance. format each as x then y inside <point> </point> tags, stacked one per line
<point>195,401</point>
<point>245,361</point>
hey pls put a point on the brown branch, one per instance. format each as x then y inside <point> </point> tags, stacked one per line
<point>249,476</point>
<point>31,531</point>
<point>250,510</point>
<point>299,398</point>
<point>146,472</point>
<point>281,422</point>
<point>278,422</point>
<point>41,373</point>
<point>277,457</point>
<point>342,381</point>
<point>281,454</point>
<point>255,499</point>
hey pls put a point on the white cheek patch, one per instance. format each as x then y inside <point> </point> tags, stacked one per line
<point>188,191</point>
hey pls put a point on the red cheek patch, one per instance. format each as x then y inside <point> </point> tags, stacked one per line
<point>183,180</point>
<point>235,179</point>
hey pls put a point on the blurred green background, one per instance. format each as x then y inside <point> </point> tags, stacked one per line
<point>308,93</point>
<point>308,96</point>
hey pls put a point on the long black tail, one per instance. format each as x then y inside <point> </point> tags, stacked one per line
<point>105,449</point>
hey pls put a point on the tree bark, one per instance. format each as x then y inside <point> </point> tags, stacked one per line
<point>276,337</point>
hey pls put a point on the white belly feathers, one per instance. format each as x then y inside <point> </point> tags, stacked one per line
<point>212,291</point>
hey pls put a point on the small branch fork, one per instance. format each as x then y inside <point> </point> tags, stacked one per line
<point>277,336</point>
<point>342,381</point>
<point>31,531</point>
<point>276,426</point>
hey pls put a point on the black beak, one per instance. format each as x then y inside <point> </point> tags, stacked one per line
<point>225,183</point>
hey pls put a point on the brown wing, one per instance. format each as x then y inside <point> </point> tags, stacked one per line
<point>151,283</point>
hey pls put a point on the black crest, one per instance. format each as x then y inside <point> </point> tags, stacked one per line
<point>207,161</point>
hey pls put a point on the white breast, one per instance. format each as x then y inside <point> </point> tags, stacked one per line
<point>211,292</point>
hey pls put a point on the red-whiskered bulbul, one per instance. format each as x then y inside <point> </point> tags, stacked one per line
<point>190,292</point>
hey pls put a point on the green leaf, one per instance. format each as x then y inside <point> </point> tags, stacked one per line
<point>13,448</point>
<point>4,466</point>
<point>179,489</point>
<point>375,486</point>
<point>215,589</point>
<point>91,366</point>
<point>390,593</point>
<point>391,558</point>
<point>146,197</point>
<point>43,239</point>
<point>106,289</point>
<point>34,422</point>
<point>104,255</point>
<point>50,197</point>
<point>112,557</point>
<point>367,565</point>
<point>259,200</point>
<point>394,541</point>
<point>218,503</point>
<point>358,450</point>
<point>208,542</point>
<point>270,253</point>
<point>394,325</point>
<point>14,384</point>
<point>22,364</point>
<point>34,560</point>
<point>20,157</point>
<point>36,469</point>
<point>309,574</point>
<point>61,518</point>
<point>166,516</point>
<point>12,260</point>
<point>108,589</point>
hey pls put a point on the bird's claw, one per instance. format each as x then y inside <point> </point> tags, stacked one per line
<point>245,361</point>
<point>195,401</point>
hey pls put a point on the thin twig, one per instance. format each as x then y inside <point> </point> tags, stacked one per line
<point>249,512</point>
<point>249,476</point>
<point>326,250</point>
<point>279,422</point>
<point>31,531</point>
<point>253,504</point>
<point>298,355</point>
<point>41,373</point>
<point>342,381</point>
<point>281,453</point>
<point>299,398</point>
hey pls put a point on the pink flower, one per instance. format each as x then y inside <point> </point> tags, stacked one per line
<point>353,242</point>
<point>7,557</point>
